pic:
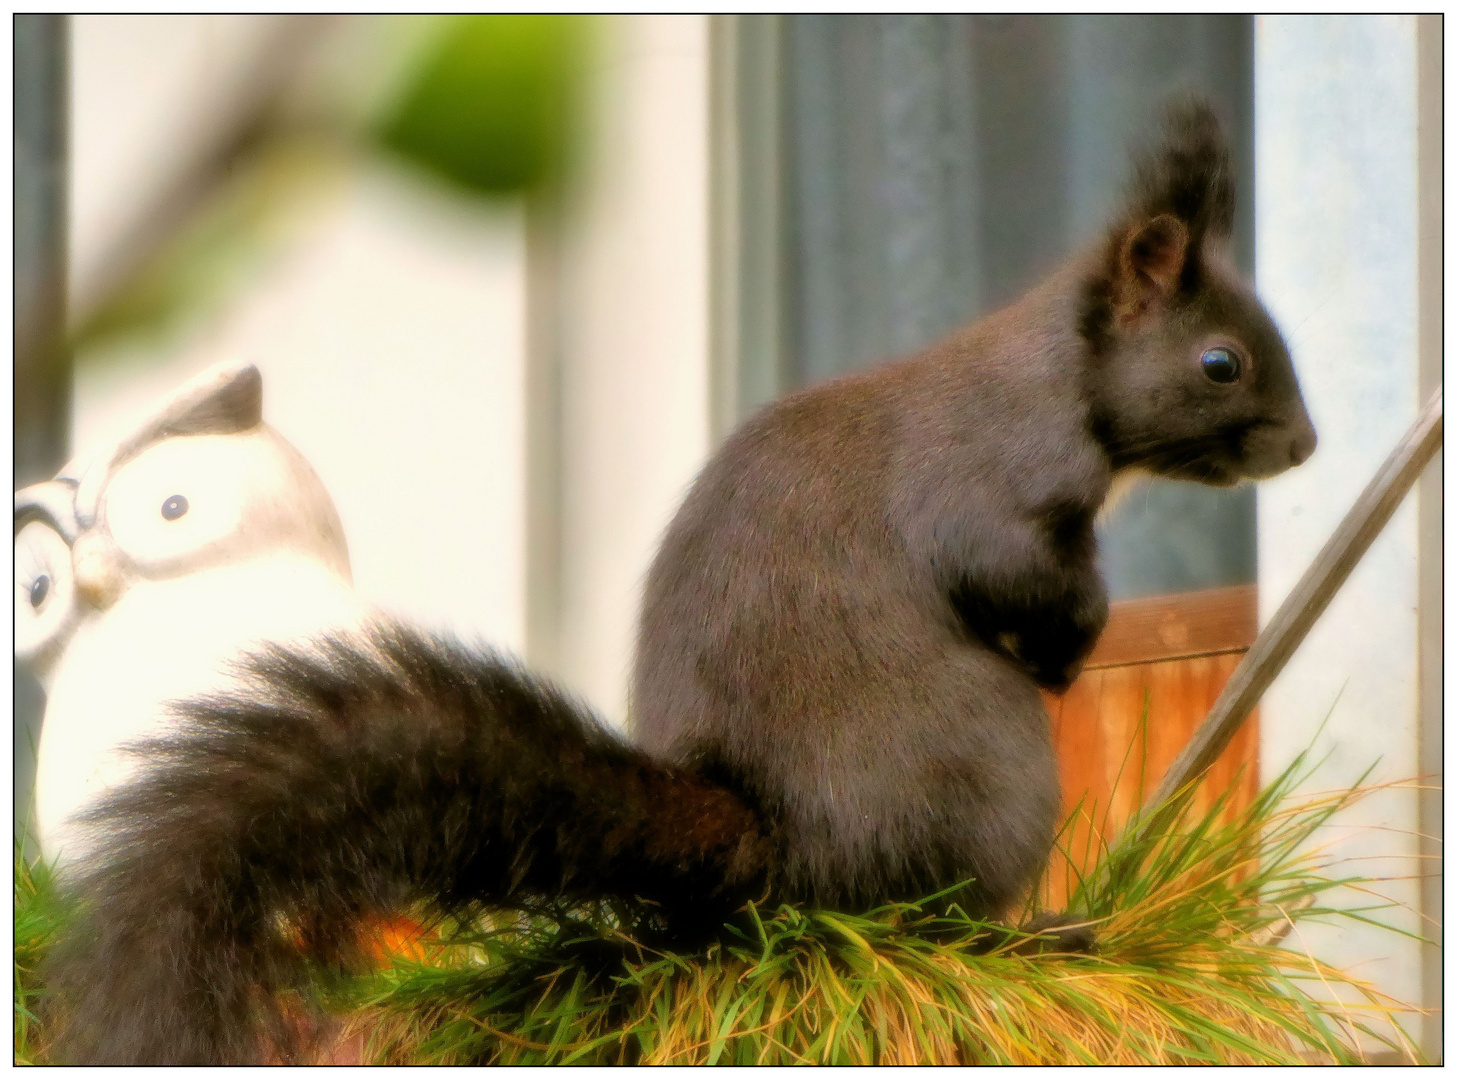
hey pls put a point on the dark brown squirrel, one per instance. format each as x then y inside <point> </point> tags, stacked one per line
<point>849,617</point>
<point>836,691</point>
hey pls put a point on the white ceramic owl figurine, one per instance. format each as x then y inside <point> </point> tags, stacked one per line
<point>145,570</point>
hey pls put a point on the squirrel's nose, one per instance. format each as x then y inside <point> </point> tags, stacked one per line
<point>1303,445</point>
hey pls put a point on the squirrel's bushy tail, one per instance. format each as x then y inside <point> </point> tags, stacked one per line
<point>365,773</point>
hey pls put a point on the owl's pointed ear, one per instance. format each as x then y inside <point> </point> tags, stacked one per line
<point>231,403</point>
<point>223,400</point>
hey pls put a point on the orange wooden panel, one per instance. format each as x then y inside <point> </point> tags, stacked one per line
<point>1117,730</point>
<point>1178,625</point>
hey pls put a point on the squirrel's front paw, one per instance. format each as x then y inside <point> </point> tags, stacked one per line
<point>1052,672</point>
<point>1055,670</point>
<point>1057,678</point>
<point>1055,653</point>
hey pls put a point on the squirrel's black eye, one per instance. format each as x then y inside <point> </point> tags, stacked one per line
<point>174,507</point>
<point>39,590</point>
<point>1221,365</point>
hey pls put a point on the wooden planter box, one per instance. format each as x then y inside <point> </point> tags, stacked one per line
<point>1171,655</point>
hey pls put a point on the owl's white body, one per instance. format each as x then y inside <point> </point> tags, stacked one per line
<point>163,641</point>
<point>147,572</point>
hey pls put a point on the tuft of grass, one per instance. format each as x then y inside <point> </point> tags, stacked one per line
<point>39,917</point>
<point>1189,906</point>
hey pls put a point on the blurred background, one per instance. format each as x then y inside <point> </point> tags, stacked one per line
<point>510,279</point>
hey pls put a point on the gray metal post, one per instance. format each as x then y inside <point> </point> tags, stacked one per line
<point>42,364</point>
<point>42,368</point>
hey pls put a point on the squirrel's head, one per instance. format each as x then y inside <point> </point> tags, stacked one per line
<point>1188,375</point>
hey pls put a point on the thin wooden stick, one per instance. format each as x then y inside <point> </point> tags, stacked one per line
<point>1285,632</point>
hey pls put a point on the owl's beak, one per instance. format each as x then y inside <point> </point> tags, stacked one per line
<point>98,570</point>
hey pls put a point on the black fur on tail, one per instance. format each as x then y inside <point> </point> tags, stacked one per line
<point>367,773</point>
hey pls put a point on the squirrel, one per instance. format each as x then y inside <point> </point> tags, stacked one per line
<point>835,697</point>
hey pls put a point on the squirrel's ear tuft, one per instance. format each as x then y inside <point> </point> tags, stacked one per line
<point>1182,194</point>
<point>1187,174</point>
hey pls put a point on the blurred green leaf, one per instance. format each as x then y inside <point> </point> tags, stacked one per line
<point>490,104</point>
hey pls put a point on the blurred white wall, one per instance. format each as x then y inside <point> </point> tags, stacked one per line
<point>1336,262</point>
<point>389,327</point>
<point>635,337</point>
<point>151,96</point>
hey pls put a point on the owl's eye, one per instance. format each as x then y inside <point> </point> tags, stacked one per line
<point>1220,365</point>
<point>44,597</point>
<point>174,507</point>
